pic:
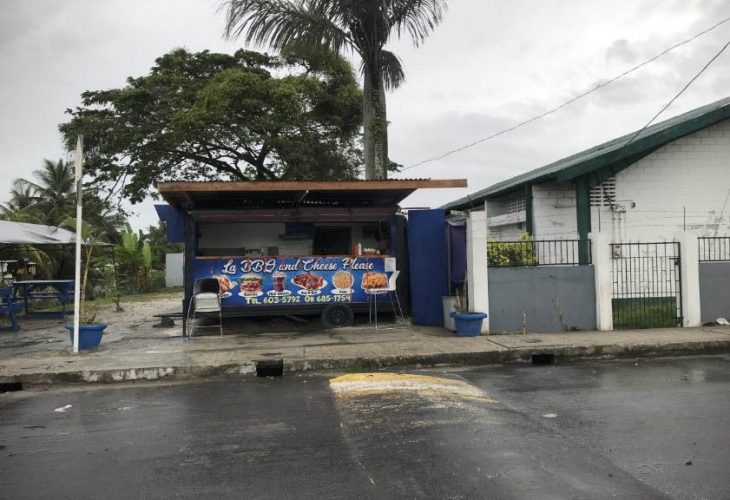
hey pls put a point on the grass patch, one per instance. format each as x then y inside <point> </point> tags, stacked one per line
<point>644,312</point>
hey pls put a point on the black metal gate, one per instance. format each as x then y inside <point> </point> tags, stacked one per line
<point>647,289</point>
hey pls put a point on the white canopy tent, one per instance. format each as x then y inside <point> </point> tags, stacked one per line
<point>21,233</point>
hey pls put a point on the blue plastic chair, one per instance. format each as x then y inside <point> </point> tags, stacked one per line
<point>8,306</point>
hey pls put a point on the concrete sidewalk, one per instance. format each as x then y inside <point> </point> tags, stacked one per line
<point>40,354</point>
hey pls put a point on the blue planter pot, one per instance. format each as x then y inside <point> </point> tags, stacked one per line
<point>89,335</point>
<point>468,324</point>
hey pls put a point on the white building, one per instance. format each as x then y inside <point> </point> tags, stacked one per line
<point>674,176</point>
<point>650,211</point>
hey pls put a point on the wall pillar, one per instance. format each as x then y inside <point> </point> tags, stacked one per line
<point>602,266</point>
<point>476,264</point>
<point>191,241</point>
<point>689,271</point>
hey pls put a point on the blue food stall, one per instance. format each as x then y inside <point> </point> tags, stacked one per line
<point>293,247</point>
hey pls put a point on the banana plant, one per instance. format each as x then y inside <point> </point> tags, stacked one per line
<point>135,261</point>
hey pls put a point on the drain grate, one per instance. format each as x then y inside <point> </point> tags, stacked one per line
<point>543,359</point>
<point>270,368</point>
<point>11,387</point>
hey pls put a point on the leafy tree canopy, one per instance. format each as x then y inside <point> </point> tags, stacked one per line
<point>361,26</point>
<point>208,116</point>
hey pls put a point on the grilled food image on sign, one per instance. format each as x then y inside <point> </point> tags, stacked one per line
<point>374,280</point>
<point>309,281</point>
<point>342,279</point>
<point>251,283</point>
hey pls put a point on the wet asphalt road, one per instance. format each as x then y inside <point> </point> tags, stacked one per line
<point>613,429</point>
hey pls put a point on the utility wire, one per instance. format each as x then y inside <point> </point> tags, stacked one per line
<point>719,220</point>
<point>570,101</point>
<point>638,132</point>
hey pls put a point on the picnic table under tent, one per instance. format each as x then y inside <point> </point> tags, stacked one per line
<point>21,233</point>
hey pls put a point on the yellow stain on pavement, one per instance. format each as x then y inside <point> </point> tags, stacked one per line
<point>365,384</point>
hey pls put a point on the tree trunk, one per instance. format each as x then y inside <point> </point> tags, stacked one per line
<point>375,126</point>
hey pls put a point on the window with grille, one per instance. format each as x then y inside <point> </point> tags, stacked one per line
<point>604,195</point>
<point>516,202</point>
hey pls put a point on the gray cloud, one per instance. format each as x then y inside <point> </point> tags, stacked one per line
<point>490,65</point>
<point>622,51</point>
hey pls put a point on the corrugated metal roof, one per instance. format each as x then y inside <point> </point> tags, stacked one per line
<point>613,153</point>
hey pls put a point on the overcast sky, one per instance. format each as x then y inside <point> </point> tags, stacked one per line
<point>488,66</point>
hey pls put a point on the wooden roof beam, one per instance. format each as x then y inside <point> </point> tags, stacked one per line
<point>393,184</point>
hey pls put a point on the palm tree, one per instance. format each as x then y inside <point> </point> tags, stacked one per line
<point>53,192</point>
<point>363,26</point>
<point>50,198</point>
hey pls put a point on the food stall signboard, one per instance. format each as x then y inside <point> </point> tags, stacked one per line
<point>293,280</point>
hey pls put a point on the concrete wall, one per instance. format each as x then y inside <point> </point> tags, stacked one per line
<point>173,269</point>
<point>688,177</point>
<point>507,227</point>
<point>714,290</point>
<point>503,225</point>
<point>554,211</point>
<point>544,294</point>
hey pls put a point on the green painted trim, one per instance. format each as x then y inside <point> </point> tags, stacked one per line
<point>529,210</point>
<point>583,216</point>
<point>597,177</point>
<point>609,155</point>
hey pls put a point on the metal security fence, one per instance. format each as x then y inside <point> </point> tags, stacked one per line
<point>646,285</point>
<point>525,253</point>
<point>714,249</point>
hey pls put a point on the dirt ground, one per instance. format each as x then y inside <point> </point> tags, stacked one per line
<point>137,317</point>
<point>140,311</point>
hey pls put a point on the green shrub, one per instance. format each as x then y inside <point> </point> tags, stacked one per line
<point>512,253</point>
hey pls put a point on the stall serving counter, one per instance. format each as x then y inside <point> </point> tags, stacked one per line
<point>293,248</point>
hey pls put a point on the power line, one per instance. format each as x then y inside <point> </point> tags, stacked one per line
<point>570,101</point>
<point>631,139</point>
<point>722,211</point>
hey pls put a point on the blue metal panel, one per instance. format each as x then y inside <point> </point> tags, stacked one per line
<point>428,265</point>
<point>457,242</point>
<point>175,221</point>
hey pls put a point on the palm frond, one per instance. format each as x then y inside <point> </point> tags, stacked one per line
<point>282,23</point>
<point>392,70</point>
<point>416,17</point>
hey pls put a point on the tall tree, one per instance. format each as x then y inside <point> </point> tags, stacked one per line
<point>20,207</point>
<point>51,193</point>
<point>363,26</point>
<point>207,116</point>
<point>50,198</point>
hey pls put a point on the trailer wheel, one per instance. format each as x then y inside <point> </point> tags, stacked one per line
<point>337,315</point>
